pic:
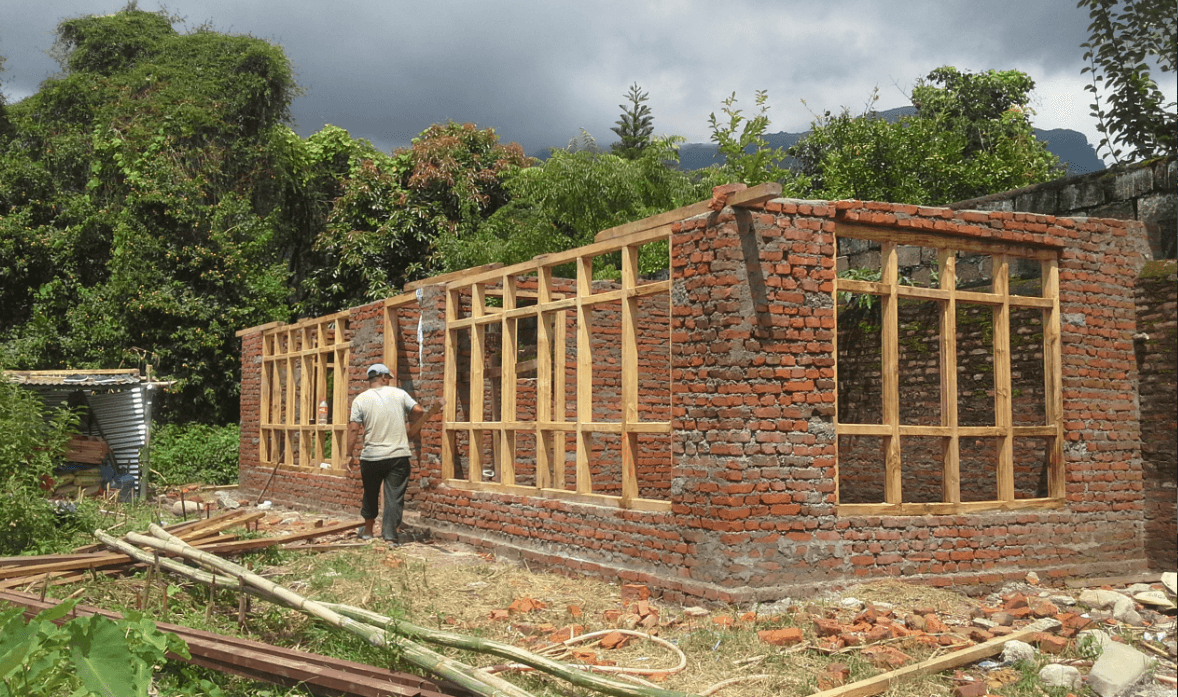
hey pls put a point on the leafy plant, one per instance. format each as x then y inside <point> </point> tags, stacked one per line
<point>84,656</point>
<point>183,453</point>
<point>34,440</point>
<point>741,140</point>
<point>1125,36</point>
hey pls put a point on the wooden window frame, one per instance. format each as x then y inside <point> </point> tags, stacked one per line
<point>551,313</point>
<point>889,291</point>
<point>295,359</point>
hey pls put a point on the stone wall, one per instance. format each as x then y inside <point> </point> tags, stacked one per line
<point>1144,191</point>
<point>753,454</point>
<point>1157,315</point>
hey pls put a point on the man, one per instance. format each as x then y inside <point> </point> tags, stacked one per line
<point>378,420</point>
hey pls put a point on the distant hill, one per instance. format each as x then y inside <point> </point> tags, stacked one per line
<point>1071,147</point>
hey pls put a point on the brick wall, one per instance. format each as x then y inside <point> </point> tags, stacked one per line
<point>753,466</point>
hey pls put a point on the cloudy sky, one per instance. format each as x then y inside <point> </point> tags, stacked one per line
<point>539,71</point>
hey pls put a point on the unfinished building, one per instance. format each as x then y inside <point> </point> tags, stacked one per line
<point>731,418</point>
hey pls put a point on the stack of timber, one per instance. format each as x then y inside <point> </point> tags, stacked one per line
<point>206,534</point>
<point>81,475</point>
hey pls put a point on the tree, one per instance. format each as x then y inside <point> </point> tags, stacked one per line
<point>384,228</point>
<point>577,192</point>
<point>971,135</point>
<point>635,125</point>
<point>1125,36</point>
<point>142,207</point>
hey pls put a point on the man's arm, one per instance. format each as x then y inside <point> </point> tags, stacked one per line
<point>355,441</point>
<point>418,417</point>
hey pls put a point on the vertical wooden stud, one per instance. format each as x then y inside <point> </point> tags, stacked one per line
<point>584,374</point>
<point>629,374</point>
<point>1053,381</point>
<point>508,383</point>
<point>890,365</point>
<point>450,387</point>
<point>951,450</point>
<point>1003,418</point>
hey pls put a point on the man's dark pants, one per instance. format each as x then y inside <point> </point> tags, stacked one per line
<point>393,474</point>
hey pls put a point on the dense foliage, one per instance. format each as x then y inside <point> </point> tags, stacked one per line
<point>1125,36</point>
<point>140,207</point>
<point>971,135</point>
<point>182,453</point>
<point>578,192</point>
<point>34,439</point>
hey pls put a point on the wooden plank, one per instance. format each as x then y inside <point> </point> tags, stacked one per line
<point>450,385</point>
<point>447,277</point>
<point>961,242</point>
<point>950,446</point>
<point>652,288</point>
<point>566,257</point>
<point>342,359</point>
<point>1034,431</point>
<point>584,373</point>
<point>508,379</point>
<point>544,331</point>
<point>249,330</point>
<point>629,394</point>
<point>477,382</point>
<point>1053,380</point>
<point>1003,401</point>
<point>288,403</point>
<point>890,367</point>
<point>672,216</point>
<point>754,195</point>
<point>636,504</point>
<point>880,683</point>
<point>238,546</point>
<point>751,196</point>
<point>876,509</point>
<point>400,300</point>
<point>560,394</point>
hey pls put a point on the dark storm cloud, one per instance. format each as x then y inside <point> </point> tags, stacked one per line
<point>539,71</point>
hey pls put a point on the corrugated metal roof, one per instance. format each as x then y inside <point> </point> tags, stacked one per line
<point>75,378</point>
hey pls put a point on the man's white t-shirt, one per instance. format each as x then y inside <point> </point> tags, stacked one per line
<point>382,412</point>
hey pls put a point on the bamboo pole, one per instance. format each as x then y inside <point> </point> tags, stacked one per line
<point>572,674</point>
<point>459,673</point>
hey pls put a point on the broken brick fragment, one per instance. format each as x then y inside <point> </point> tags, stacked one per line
<point>825,627</point>
<point>980,635</point>
<point>723,620</point>
<point>614,640</point>
<point>575,610</point>
<point>1049,643</point>
<point>780,637</point>
<point>976,688</point>
<point>886,657</point>
<point>933,624</point>
<point>634,591</point>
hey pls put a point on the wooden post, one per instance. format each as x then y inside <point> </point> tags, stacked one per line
<point>584,374</point>
<point>950,451</point>
<point>1002,380</point>
<point>629,375</point>
<point>890,367</point>
<point>508,383</point>
<point>544,332</point>
<point>478,336</point>
<point>450,388</point>
<point>1053,381</point>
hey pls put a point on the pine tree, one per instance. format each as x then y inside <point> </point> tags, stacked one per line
<point>635,125</point>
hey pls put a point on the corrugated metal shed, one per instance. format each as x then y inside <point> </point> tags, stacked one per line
<point>119,400</point>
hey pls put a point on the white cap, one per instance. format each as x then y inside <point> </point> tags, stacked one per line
<point>377,369</point>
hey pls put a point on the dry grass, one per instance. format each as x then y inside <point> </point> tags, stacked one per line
<point>450,587</point>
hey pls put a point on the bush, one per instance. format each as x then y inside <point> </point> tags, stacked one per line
<point>183,453</point>
<point>32,440</point>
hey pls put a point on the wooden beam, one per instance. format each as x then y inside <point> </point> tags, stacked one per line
<point>447,277</point>
<point>477,382</point>
<point>673,216</point>
<point>959,241</point>
<point>249,330</point>
<point>400,300</point>
<point>1003,399</point>
<point>880,683</point>
<point>629,375</point>
<point>560,396</point>
<point>544,331</point>
<point>950,445</point>
<point>635,504</point>
<point>754,195</point>
<point>584,373</point>
<point>890,367</point>
<point>450,386</point>
<point>1053,381</point>
<point>565,257</point>
<point>877,509</point>
<point>508,380</point>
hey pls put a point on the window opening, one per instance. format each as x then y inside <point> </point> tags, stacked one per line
<point>304,409</point>
<point>959,338</point>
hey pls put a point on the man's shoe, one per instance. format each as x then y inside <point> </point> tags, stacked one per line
<point>362,534</point>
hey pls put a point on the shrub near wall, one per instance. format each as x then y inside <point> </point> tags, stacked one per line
<point>183,453</point>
